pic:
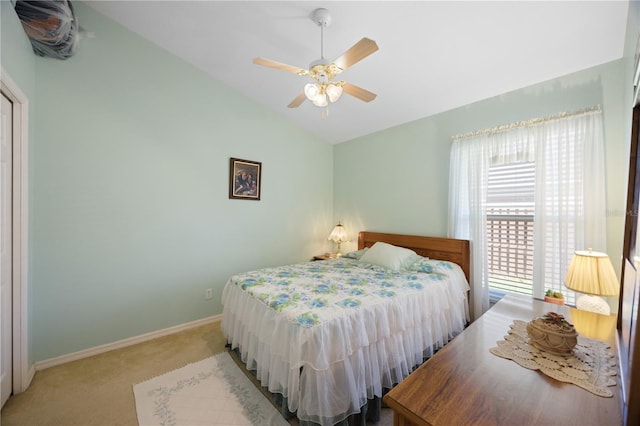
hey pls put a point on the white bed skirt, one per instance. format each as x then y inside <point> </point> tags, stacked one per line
<point>327,372</point>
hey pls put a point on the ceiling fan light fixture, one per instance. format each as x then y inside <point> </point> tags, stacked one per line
<point>311,91</point>
<point>334,91</point>
<point>320,100</point>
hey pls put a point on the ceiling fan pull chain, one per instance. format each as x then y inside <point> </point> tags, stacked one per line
<point>324,112</point>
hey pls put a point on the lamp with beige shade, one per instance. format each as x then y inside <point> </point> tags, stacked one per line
<point>592,274</point>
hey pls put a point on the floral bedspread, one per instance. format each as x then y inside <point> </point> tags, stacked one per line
<point>314,292</point>
<point>328,335</point>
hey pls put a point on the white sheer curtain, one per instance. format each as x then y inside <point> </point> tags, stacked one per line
<point>568,151</point>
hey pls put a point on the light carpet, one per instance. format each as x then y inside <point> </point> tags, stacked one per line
<point>213,391</point>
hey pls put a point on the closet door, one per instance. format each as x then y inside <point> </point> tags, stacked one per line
<point>6,249</point>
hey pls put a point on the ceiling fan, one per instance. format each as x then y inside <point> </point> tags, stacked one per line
<point>324,88</point>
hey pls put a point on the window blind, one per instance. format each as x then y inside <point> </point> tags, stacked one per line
<point>510,213</point>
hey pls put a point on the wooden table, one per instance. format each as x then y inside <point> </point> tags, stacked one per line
<point>464,383</point>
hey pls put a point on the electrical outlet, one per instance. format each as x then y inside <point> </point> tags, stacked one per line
<point>208,293</point>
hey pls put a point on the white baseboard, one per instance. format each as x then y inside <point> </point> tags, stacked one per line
<point>62,359</point>
<point>27,381</point>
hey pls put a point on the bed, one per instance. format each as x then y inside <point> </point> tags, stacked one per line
<point>331,335</point>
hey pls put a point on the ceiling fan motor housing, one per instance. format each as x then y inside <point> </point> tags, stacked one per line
<point>323,70</point>
<point>321,17</point>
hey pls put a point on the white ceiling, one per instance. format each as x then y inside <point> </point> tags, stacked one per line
<point>434,55</point>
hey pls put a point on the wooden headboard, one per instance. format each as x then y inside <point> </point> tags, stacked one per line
<point>452,250</point>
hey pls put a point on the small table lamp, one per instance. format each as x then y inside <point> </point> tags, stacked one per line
<point>338,236</point>
<point>591,273</point>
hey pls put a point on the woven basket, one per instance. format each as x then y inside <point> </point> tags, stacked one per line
<point>552,337</point>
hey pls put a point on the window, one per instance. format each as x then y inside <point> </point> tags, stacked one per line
<point>527,195</point>
<point>510,209</point>
<point>510,229</point>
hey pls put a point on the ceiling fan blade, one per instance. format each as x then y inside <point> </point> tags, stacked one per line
<point>356,53</point>
<point>280,66</point>
<point>297,101</point>
<point>358,92</point>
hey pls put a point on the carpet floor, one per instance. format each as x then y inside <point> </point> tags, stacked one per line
<point>214,391</point>
<point>99,390</point>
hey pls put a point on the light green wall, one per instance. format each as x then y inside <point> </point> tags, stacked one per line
<point>129,215</point>
<point>18,61</point>
<point>15,50</point>
<point>397,180</point>
<point>131,220</point>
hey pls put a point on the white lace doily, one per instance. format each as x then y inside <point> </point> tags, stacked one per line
<point>590,366</point>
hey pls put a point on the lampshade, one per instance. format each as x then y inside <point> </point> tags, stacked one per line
<point>311,90</point>
<point>316,94</point>
<point>320,94</point>
<point>320,100</point>
<point>334,91</point>
<point>338,235</point>
<point>591,273</point>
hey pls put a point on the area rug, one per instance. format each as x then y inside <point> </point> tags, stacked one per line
<point>213,391</point>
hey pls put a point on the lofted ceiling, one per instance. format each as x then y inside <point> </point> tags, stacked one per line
<point>433,55</point>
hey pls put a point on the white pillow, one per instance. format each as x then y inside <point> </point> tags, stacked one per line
<point>389,256</point>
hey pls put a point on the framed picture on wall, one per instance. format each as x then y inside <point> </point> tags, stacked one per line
<point>244,179</point>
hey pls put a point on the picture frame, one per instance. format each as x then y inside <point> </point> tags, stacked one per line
<point>245,179</point>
